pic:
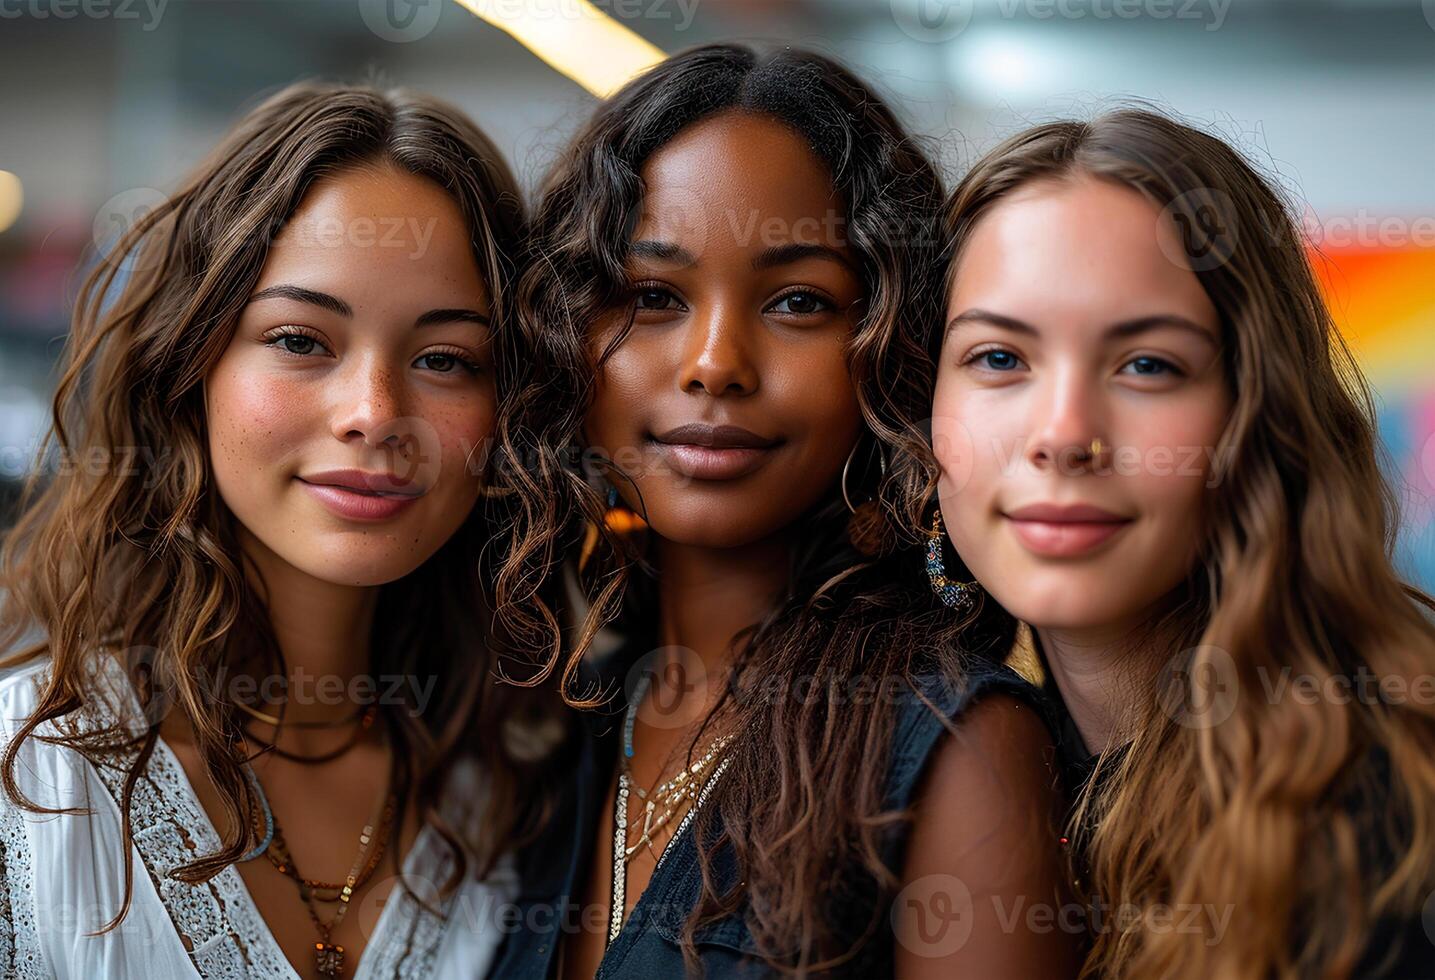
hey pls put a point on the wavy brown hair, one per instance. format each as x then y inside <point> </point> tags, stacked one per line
<point>144,561</point>
<point>801,804</point>
<point>1313,822</point>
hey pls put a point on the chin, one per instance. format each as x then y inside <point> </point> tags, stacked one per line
<point>360,567</point>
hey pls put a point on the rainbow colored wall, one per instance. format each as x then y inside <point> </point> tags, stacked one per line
<point>1384,302</point>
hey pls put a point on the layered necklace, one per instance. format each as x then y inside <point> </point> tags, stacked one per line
<point>684,793</point>
<point>326,901</point>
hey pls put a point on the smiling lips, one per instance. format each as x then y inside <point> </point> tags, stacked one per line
<point>1056,531</point>
<point>714,452</point>
<point>359,496</point>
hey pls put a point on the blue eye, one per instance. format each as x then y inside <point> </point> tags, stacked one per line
<point>1000,360</point>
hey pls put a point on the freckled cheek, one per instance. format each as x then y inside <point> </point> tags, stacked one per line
<point>257,420</point>
<point>464,428</point>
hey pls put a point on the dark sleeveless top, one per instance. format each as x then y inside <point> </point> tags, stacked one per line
<point>555,871</point>
<point>1398,949</point>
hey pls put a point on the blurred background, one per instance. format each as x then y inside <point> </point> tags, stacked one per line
<point>105,104</point>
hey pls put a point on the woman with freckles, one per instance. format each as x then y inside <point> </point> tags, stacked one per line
<point>254,733</point>
<point>1159,454</point>
<point>734,271</point>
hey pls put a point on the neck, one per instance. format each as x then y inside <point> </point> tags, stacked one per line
<point>322,629</point>
<point>1093,670</point>
<point>706,596</point>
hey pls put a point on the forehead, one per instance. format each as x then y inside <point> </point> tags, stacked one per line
<point>737,179</point>
<point>366,225</point>
<point>1077,243</point>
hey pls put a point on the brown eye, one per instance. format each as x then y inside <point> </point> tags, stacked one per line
<point>297,344</point>
<point>800,304</point>
<point>654,299</point>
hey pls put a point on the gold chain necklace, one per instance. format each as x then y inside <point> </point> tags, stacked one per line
<point>687,787</point>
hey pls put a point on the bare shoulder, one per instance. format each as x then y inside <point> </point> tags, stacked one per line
<point>984,846</point>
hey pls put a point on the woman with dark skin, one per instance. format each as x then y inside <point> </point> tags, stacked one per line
<point>740,362</point>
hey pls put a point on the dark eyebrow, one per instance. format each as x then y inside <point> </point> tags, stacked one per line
<point>453,316</point>
<point>335,305</point>
<point>1126,328</point>
<point>661,251</point>
<point>1130,328</point>
<point>301,295</point>
<point>796,252</point>
<point>995,319</point>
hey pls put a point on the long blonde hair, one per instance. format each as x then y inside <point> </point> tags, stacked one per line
<point>1309,821</point>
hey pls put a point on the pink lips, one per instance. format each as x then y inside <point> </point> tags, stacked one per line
<point>714,452</point>
<point>359,496</point>
<point>1064,531</point>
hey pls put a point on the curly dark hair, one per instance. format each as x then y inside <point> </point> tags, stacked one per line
<point>802,801</point>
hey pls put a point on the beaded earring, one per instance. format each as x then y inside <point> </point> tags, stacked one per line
<point>961,596</point>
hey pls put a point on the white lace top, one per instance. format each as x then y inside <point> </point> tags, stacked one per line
<point>62,877</point>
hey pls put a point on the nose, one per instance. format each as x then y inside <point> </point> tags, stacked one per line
<point>717,357</point>
<point>368,403</point>
<point>1068,416</point>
